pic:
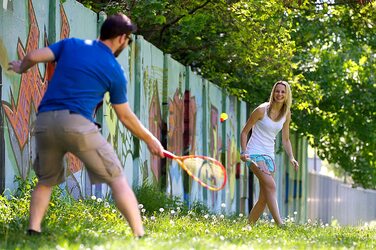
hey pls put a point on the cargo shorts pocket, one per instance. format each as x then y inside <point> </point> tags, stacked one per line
<point>110,160</point>
<point>42,138</point>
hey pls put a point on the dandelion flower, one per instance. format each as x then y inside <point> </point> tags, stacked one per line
<point>223,205</point>
<point>140,206</point>
<point>99,200</point>
<point>93,197</point>
<point>161,210</point>
<point>240,215</point>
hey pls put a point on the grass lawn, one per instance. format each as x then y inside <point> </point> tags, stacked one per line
<point>96,224</point>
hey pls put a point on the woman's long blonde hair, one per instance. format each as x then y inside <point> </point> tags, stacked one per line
<point>288,100</point>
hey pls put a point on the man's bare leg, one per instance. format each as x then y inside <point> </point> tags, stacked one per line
<point>127,204</point>
<point>38,206</point>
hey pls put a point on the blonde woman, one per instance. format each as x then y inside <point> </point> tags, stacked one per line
<point>266,121</point>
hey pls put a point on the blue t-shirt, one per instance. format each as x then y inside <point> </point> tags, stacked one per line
<point>85,71</point>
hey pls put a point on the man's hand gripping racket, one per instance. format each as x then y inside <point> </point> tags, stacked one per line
<point>207,171</point>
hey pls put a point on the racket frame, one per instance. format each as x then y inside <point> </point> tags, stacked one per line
<point>180,159</point>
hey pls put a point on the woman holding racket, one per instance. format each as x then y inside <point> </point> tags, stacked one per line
<point>266,121</point>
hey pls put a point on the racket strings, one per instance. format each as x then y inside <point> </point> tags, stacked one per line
<point>205,170</point>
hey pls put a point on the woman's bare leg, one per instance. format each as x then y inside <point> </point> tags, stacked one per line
<point>258,208</point>
<point>268,185</point>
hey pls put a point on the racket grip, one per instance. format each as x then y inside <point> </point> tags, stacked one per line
<point>168,154</point>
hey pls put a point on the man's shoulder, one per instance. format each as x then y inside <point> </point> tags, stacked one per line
<point>78,41</point>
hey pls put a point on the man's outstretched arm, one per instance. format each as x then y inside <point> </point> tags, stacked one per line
<point>32,58</point>
<point>131,122</point>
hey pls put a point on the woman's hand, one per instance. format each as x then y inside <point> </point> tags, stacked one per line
<point>244,157</point>
<point>294,163</point>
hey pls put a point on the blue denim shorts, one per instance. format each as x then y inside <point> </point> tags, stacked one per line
<point>264,162</point>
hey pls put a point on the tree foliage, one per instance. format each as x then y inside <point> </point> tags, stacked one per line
<point>326,49</point>
<point>336,75</point>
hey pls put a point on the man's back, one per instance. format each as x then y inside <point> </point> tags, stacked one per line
<point>85,71</point>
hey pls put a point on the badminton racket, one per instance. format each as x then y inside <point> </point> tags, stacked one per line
<point>207,171</point>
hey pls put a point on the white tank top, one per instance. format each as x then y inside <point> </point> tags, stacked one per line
<point>264,133</point>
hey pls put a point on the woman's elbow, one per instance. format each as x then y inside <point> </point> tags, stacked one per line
<point>286,141</point>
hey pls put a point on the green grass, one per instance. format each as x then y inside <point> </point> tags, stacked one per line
<point>96,224</point>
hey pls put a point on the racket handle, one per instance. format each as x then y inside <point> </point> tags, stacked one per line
<point>169,154</point>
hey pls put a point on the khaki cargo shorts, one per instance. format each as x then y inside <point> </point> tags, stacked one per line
<point>59,132</point>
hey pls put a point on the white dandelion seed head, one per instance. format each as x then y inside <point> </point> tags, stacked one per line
<point>223,205</point>
<point>93,197</point>
<point>140,206</point>
<point>161,210</point>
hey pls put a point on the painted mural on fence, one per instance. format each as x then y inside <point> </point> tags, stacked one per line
<point>155,127</point>
<point>233,161</point>
<point>175,141</point>
<point>118,136</point>
<point>20,111</point>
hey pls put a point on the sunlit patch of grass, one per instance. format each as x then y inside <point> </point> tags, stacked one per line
<point>95,223</point>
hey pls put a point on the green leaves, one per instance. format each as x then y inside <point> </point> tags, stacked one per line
<point>339,60</point>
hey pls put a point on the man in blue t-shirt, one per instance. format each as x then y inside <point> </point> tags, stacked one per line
<point>85,71</point>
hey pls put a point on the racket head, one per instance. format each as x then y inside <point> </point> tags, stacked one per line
<point>207,171</point>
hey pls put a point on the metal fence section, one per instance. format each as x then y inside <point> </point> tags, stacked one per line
<point>330,200</point>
